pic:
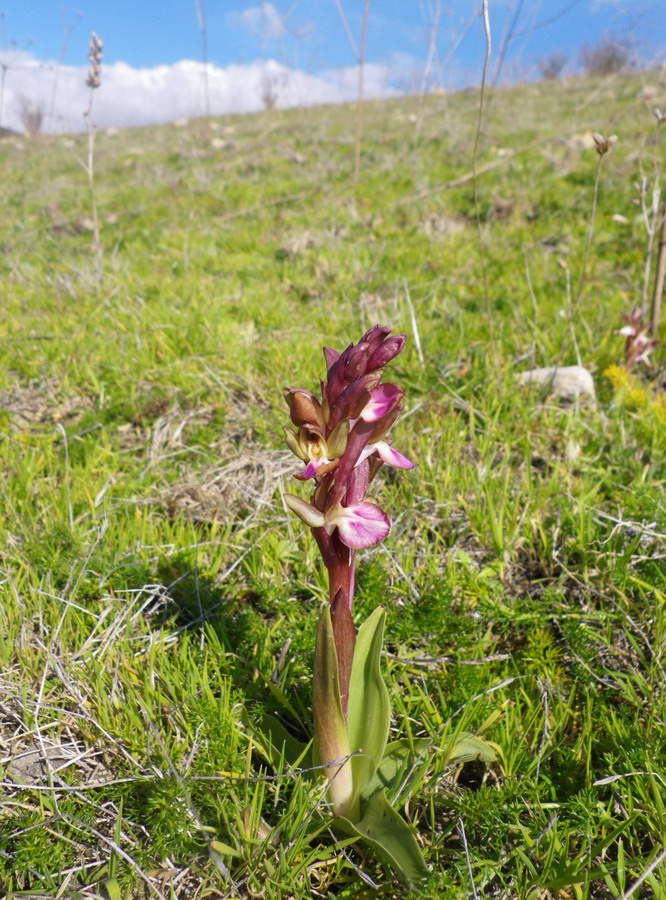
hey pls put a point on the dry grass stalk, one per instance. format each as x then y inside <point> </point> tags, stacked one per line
<point>359,53</point>
<point>93,81</point>
<point>659,275</point>
<point>200,7</point>
<point>475,187</point>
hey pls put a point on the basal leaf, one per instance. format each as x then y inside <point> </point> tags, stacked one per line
<point>468,747</point>
<point>389,835</point>
<point>278,746</point>
<point>368,711</point>
<point>404,761</point>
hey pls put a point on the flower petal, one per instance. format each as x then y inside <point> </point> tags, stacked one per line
<point>316,467</point>
<point>391,457</point>
<point>383,399</point>
<point>309,471</point>
<point>294,445</point>
<point>304,510</point>
<point>360,525</point>
<point>387,454</point>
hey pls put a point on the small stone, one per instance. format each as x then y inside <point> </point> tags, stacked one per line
<point>566,382</point>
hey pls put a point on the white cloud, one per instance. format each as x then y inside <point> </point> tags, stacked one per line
<point>263,21</point>
<point>130,97</point>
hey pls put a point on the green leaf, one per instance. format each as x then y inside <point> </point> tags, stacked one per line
<point>405,761</point>
<point>278,746</point>
<point>368,712</point>
<point>468,747</point>
<point>113,889</point>
<point>224,849</point>
<point>389,835</point>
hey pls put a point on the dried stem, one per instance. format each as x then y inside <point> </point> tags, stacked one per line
<point>659,274</point>
<point>649,220</point>
<point>477,137</point>
<point>572,308</point>
<point>590,229</point>
<point>359,53</point>
<point>359,96</point>
<point>427,68</point>
<point>200,7</point>
<point>93,81</point>
<point>90,172</point>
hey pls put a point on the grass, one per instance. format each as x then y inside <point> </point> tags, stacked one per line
<point>151,576</point>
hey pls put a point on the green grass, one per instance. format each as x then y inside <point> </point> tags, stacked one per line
<point>150,574</point>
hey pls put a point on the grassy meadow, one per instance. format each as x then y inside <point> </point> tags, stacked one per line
<point>151,577</point>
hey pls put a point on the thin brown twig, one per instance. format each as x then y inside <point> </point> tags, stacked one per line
<point>650,219</point>
<point>659,275</point>
<point>535,307</point>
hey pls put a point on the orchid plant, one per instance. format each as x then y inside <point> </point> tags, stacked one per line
<point>341,440</point>
<point>638,344</point>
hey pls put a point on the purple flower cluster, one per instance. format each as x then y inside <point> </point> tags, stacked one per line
<point>341,440</point>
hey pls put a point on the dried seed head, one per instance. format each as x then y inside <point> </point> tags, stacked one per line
<point>603,144</point>
<point>95,54</point>
<point>659,116</point>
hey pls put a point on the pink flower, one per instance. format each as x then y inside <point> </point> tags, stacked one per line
<point>359,526</point>
<point>387,454</point>
<point>320,455</point>
<point>383,400</point>
<point>639,344</point>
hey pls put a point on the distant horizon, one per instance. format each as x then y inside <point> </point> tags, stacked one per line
<point>112,113</point>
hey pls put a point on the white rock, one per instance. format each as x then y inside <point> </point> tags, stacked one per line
<point>567,382</point>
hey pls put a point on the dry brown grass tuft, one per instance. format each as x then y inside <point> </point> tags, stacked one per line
<point>41,402</point>
<point>241,485</point>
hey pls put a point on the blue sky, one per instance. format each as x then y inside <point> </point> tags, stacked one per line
<point>306,36</point>
<point>147,33</point>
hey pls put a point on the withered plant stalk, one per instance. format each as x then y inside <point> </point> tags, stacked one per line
<point>475,155</point>
<point>660,273</point>
<point>603,145</point>
<point>93,81</point>
<point>359,53</point>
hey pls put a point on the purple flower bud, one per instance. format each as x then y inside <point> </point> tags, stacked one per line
<point>330,356</point>
<point>336,376</point>
<point>375,337</point>
<point>304,407</point>
<point>386,352</point>
<point>353,399</point>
